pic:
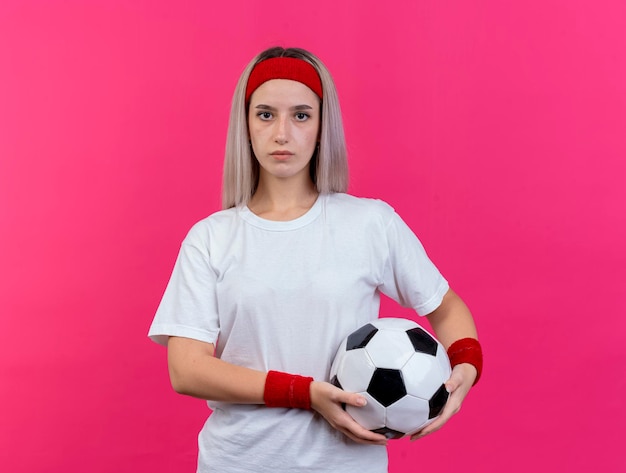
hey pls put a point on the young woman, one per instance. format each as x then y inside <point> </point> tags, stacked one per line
<point>264,291</point>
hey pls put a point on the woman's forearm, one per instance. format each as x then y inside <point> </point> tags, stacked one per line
<point>195,371</point>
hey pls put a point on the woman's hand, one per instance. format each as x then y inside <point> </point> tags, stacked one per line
<point>459,384</point>
<point>327,399</point>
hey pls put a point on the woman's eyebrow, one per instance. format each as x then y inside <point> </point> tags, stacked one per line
<point>295,107</point>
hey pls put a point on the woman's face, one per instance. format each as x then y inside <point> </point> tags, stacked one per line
<point>284,123</point>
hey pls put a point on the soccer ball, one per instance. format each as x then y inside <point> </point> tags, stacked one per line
<point>400,369</point>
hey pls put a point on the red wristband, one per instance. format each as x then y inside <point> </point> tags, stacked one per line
<point>287,390</point>
<point>467,350</point>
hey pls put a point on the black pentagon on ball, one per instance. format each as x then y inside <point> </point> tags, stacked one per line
<point>437,402</point>
<point>387,386</point>
<point>360,337</point>
<point>422,341</point>
<point>389,433</point>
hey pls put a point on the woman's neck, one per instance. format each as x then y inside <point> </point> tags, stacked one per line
<point>283,202</point>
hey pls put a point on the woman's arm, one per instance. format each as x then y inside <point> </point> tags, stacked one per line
<point>452,321</point>
<point>195,371</point>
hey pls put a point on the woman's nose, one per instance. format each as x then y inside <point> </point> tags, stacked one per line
<point>282,130</point>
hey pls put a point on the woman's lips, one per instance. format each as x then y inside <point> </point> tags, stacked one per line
<point>282,155</point>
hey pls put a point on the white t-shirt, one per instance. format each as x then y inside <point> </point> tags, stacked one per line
<point>282,296</point>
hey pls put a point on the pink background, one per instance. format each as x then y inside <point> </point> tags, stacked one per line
<point>495,128</point>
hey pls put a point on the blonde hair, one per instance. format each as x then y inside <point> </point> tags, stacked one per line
<point>329,166</point>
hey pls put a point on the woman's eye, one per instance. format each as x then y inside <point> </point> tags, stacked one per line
<point>264,115</point>
<point>301,116</point>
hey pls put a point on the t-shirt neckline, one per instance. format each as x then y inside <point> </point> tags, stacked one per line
<point>280,225</point>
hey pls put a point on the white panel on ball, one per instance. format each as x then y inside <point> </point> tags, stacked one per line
<point>444,362</point>
<point>390,349</point>
<point>394,323</point>
<point>422,375</point>
<point>408,415</point>
<point>356,370</point>
<point>371,416</point>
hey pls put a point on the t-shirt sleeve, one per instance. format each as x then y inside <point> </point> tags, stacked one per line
<point>188,307</point>
<point>409,276</point>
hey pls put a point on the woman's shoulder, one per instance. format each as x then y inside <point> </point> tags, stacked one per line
<point>350,204</point>
<point>217,222</point>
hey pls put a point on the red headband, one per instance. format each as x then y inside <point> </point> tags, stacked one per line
<point>284,68</point>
